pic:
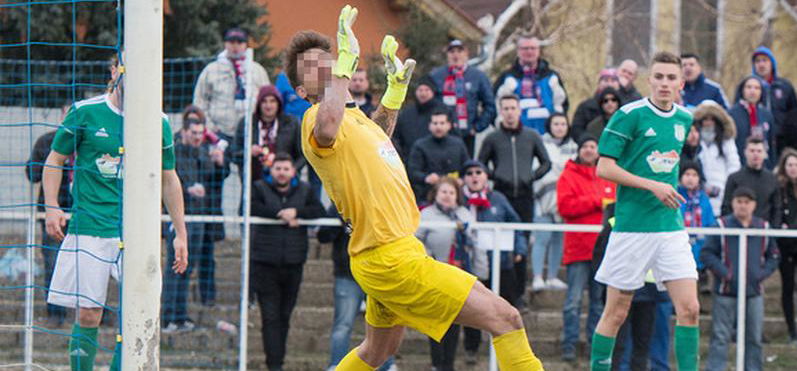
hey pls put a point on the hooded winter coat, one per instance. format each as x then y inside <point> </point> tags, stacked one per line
<point>559,152</point>
<point>781,101</point>
<point>413,124</point>
<point>580,195</point>
<point>718,160</point>
<point>549,88</point>
<point>596,126</point>
<point>741,117</point>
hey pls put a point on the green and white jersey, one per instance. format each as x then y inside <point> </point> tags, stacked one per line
<point>646,142</point>
<point>92,131</point>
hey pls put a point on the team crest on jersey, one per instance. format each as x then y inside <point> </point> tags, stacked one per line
<point>389,154</point>
<point>680,133</point>
<point>663,162</point>
<point>108,166</point>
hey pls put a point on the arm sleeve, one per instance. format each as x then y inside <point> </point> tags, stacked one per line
<point>571,199</point>
<point>520,237</point>
<point>771,258</point>
<point>33,170</point>
<point>298,157</point>
<point>560,102</point>
<point>312,207</point>
<point>260,207</point>
<point>328,234</point>
<point>237,145</point>
<point>308,123</point>
<point>488,104</point>
<point>202,93</point>
<point>69,134</point>
<point>486,152</point>
<point>775,212</point>
<point>730,186</point>
<point>167,152</point>
<point>416,166</point>
<point>617,134</point>
<point>731,156</point>
<point>542,156</point>
<point>710,256</point>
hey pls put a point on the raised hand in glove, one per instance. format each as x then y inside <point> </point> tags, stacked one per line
<point>398,74</point>
<point>348,47</point>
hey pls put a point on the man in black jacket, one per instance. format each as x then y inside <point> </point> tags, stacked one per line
<point>413,119</point>
<point>435,156</point>
<point>55,313</point>
<point>278,252</point>
<point>512,151</point>
<point>756,177</point>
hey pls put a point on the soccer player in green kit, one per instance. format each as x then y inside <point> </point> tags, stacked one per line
<point>640,150</point>
<point>92,131</point>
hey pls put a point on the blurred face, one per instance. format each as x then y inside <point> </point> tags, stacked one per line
<point>528,51</point>
<point>269,107</point>
<point>610,104</point>
<point>559,127</point>
<point>235,49</point>
<point>475,179</point>
<point>439,126</point>
<point>282,172</point>
<point>510,113</point>
<point>588,153</point>
<point>627,71</point>
<point>791,167</point>
<point>763,65</point>
<point>751,91</point>
<point>314,68</point>
<point>691,68</point>
<point>446,196</point>
<point>606,82</point>
<point>690,179</point>
<point>743,207</point>
<point>457,56</point>
<point>195,134</point>
<point>359,83</point>
<point>755,154</point>
<point>423,93</point>
<point>665,82</point>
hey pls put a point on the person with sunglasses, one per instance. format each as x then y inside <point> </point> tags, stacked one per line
<point>489,205</point>
<point>609,102</point>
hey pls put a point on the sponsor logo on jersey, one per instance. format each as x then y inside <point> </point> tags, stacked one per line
<point>663,162</point>
<point>108,166</point>
<point>101,133</point>
<point>650,133</point>
<point>680,133</point>
<point>389,154</point>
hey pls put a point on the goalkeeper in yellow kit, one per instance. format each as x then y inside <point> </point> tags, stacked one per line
<point>365,178</point>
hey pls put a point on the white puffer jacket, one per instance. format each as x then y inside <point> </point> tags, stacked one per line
<point>545,187</point>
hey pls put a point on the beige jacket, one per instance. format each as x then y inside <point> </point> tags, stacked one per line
<point>215,93</point>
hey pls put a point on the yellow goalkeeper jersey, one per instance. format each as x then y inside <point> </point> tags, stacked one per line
<point>365,178</point>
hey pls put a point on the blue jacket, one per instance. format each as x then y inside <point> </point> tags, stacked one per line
<point>699,200</point>
<point>703,89</point>
<point>294,104</point>
<point>720,254</point>
<point>479,93</point>
<point>550,89</point>
<point>781,100</point>
<point>501,211</point>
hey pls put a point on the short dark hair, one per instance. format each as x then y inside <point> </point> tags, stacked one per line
<point>440,111</point>
<point>513,97</point>
<point>192,109</point>
<point>666,58</point>
<point>301,42</point>
<point>283,156</point>
<point>752,140</point>
<point>690,55</point>
<point>743,191</point>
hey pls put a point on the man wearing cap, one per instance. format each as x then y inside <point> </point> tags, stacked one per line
<point>720,255</point>
<point>590,108</point>
<point>466,92</point>
<point>489,205</point>
<point>539,87</point>
<point>223,85</point>
<point>780,97</point>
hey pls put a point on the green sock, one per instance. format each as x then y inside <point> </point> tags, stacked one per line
<point>116,362</point>
<point>687,347</point>
<point>82,348</point>
<point>601,357</point>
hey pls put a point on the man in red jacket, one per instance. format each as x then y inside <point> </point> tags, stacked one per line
<point>581,197</point>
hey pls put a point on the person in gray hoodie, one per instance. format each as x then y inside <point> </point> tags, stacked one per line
<point>452,246</point>
<point>720,255</point>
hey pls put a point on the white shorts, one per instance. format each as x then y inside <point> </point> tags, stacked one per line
<point>629,256</point>
<point>80,277</point>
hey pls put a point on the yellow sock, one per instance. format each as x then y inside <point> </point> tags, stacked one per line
<point>514,352</point>
<point>352,362</point>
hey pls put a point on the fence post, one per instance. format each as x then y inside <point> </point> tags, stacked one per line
<point>741,301</point>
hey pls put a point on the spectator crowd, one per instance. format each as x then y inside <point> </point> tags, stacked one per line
<point>501,150</point>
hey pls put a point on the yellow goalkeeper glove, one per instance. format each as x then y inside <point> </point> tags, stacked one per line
<point>348,47</point>
<point>398,74</point>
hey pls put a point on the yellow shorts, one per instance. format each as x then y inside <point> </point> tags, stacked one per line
<point>406,287</point>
